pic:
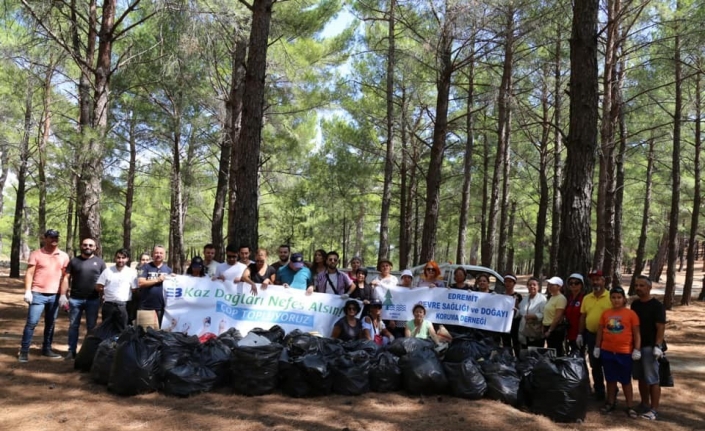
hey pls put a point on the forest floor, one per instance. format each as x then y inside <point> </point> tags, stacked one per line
<point>48,394</point>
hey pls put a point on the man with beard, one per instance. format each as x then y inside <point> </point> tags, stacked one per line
<point>284,252</point>
<point>116,284</point>
<point>44,281</point>
<point>151,283</point>
<point>332,280</point>
<point>652,325</point>
<point>210,265</point>
<point>594,304</point>
<point>83,271</point>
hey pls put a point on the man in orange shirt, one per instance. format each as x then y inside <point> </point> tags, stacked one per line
<point>45,291</point>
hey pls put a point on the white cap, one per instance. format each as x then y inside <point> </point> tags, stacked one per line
<point>407,272</point>
<point>576,276</point>
<point>555,280</point>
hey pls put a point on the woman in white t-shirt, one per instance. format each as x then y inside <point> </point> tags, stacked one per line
<point>385,277</point>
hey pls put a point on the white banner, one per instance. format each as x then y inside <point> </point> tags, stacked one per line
<point>199,306</point>
<point>488,311</point>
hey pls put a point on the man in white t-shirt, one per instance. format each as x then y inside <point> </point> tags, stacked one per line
<point>231,269</point>
<point>210,265</point>
<point>116,284</point>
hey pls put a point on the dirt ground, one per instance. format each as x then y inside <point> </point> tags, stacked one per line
<point>48,394</point>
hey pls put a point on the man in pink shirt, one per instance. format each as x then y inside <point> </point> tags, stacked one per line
<point>45,291</point>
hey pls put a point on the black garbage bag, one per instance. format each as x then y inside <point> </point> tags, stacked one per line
<point>216,356</point>
<point>469,347</point>
<point>299,343</point>
<point>405,345</point>
<point>465,380</point>
<point>385,374</point>
<point>107,329</point>
<point>230,337</point>
<point>135,368</point>
<point>275,334</point>
<point>188,377</point>
<point>175,346</point>
<point>305,376</point>
<point>368,346</point>
<point>422,372</point>
<point>103,361</point>
<point>502,381</point>
<point>560,389</point>
<point>255,369</point>
<point>351,373</point>
<point>524,367</point>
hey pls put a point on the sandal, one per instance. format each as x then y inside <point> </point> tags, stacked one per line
<point>608,408</point>
<point>650,415</point>
<point>632,413</point>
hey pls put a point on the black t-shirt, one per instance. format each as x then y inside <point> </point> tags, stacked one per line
<point>152,297</point>
<point>254,273</point>
<point>84,273</point>
<point>650,313</point>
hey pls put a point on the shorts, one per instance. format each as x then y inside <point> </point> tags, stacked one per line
<point>617,367</point>
<point>646,368</point>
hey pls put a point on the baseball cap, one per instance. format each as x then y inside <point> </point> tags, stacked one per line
<point>510,276</point>
<point>595,273</point>
<point>375,303</point>
<point>555,280</point>
<point>197,262</point>
<point>576,276</point>
<point>297,260</point>
<point>407,273</point>
<point>51,232</point>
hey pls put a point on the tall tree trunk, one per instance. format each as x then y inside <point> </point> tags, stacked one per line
<point>405,197</point>
<point>484,228</point>
<point>42,147</point>
<point>176,220</point>
<point>389,158</point>
<point>557,164</point>
<point>246,209</point>
<point>673,218</point>
<point>582,141</point>
<point>130,185</point>
<point>641,248</point>
<point>460,256</point>
<point>697,199</point>
<point>226,172</point>
<point>4,171</point>
<point>21,184</point>
<point>615,250</point>
<point>440,130</point>
<point>510,238</point>
<point>540,236</point>
<point>659,260</point>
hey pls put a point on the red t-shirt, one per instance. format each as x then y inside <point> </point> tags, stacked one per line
<point>618,327</point>
<point>49,269</point>
<point>572,313</point>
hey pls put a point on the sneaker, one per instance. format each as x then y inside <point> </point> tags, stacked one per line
<point>70,356</point>
<point>50,354</point>
<point>23,357</point>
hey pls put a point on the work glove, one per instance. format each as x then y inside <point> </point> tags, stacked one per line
<point>63,301</point>
<point>28,297</point>
<point>636,354</point>
<point>596,352</point>
<point>658,353</point>
<point>579,341</point>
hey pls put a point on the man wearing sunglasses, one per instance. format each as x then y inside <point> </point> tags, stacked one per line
<point>44,281</point>
<point>83,272</point>
<point>332,280</point>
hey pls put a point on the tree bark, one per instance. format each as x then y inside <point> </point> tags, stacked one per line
<point>575,238</point>
<point>673,218</point>
<point>557,164</point>
<point>246,209</point>
<point>615,250</point>
<point>697,199</point>
<point>41,147</point>
<point>440,130</point>
<point>641,248</point>
<point>130,185</point>
<point>405,197</point>
<point>484,229</point>
<point>460,256</point>
<point>383,252</point>
<point>21,185</point>
<point>543,184</point>
<point>176,218</point>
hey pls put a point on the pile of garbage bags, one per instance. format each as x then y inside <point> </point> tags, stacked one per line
<point>302,365</point>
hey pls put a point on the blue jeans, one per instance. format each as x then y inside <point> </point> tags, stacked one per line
<point>47,304</point>
<point>598,376</point>
<point>76,309</point>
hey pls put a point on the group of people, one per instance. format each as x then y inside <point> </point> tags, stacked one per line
<point>621,342</point>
